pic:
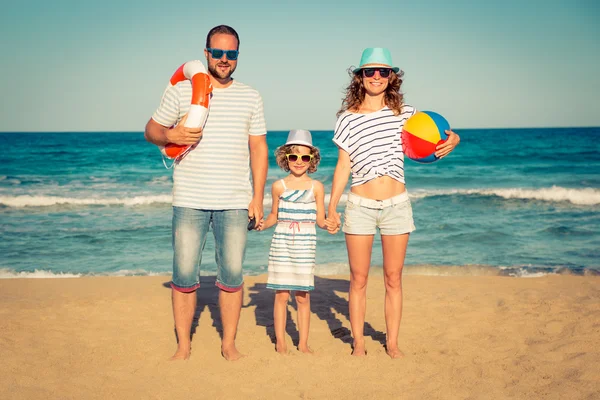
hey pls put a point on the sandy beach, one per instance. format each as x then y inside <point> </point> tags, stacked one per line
<point>464,338</point>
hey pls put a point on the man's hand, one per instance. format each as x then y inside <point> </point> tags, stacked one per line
<point>182,135</point>
<point>255,210</point>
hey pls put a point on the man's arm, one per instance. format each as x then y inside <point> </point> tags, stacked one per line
<point>259,163</point>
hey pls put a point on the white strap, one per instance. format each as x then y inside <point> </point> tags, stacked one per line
<point>283,183</point>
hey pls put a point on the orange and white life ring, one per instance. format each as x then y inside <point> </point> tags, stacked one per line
<point>195,72</point>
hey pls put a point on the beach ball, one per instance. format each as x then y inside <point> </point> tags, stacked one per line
<point>421,134</point>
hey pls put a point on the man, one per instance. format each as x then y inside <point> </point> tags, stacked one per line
<point>211,185</point>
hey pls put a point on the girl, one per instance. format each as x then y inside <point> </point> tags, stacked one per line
<point>367,134</point>
<point>298,203</point>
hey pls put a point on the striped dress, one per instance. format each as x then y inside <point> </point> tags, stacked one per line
<point>292,254</point>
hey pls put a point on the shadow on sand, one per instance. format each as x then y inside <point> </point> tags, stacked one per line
<point>207,298</point>
<point>326,304</point>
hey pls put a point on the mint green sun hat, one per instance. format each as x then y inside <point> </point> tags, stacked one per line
<point>376,57</point>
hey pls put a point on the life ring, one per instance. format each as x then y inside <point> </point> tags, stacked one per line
<point>198,113</point>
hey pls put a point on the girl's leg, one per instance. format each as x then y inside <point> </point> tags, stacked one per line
<point>280,319</point>
<point>359,255</point>
<point>394,251</point>
<point>303,302</point>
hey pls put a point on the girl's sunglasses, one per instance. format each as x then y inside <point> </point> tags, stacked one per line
<point>218,53</point>
<point>305,158</point>
<point>370,72</point>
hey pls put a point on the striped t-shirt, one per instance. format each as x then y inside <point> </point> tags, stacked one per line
<point>216,174</point>
<point>373,142</point>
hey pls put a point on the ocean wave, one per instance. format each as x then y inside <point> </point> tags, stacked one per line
<point>48,201</point>
<point>581,197</point>
<point>335,269</point>
<point>6,273</point>
<point>584,197</point>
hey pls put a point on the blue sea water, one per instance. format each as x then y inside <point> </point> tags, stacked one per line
<point>517,202</point>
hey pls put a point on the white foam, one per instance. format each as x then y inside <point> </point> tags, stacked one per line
<point>39,274</point>
<point>47,201</point>
<point>585,196</point>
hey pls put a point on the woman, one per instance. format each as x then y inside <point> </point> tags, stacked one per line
<point>367,134</point>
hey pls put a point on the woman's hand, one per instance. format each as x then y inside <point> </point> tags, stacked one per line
<point>445,148</point>
<point>333,223</point>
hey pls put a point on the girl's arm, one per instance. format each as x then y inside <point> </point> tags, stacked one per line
<point>271,220</point>
<point>320,200</point>
<point>340,179</point>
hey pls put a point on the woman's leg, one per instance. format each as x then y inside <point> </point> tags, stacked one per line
<point>280,319</point>
<point>394,251</point>
<point>359,255</point>
<point>303,302</point>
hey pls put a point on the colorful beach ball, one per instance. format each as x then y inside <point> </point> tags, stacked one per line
<point>421,134</point>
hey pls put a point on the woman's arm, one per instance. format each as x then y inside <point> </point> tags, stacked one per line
<point>340,179</point>
<point>271,220</point>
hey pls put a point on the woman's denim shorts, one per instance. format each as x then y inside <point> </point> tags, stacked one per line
<point>392,216</point>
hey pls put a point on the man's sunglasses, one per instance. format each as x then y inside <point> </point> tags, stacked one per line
<point>383,72</point>
<point>304,157</point>
<point>218,53</point>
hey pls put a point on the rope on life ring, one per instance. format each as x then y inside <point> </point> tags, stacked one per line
<point>196,73</point>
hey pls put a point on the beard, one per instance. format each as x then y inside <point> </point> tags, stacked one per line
<point>219,74</point>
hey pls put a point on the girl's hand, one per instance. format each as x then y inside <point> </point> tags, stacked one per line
<point>445,148</point>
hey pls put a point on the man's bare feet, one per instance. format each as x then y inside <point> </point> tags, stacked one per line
<point>358,349</point>
<point>231,353</point>
<point>394,352</point>
<point>182,353</point>
<point>305,349</point>
<point>281,348</point>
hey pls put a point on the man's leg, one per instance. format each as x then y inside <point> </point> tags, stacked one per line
<point>189,235</point>
<point>230,230</point>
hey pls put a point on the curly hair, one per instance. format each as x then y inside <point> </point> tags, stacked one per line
<point>355,92</point>
<point>281,159</point>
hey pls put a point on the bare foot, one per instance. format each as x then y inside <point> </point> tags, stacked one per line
<point>358,349</point>
<point>305,349</point>
<point>281,348</point>
<point>231,353</point>
<point>394,353</point>
<point>182,353</point>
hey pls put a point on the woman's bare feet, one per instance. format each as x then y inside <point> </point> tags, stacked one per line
<point>182,353</point>
<point>231,353</point>
<point>394,352</point>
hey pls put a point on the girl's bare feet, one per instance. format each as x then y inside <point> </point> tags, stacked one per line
<point>305,349</point>
<point>358,348</point>
<point>281,348</point>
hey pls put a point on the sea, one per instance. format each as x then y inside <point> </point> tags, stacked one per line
<point>510,202</point>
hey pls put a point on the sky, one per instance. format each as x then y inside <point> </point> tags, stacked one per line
<point>77,65</point>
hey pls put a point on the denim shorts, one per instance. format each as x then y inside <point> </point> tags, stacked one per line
<point>392,216</point>
<point>190,229</point>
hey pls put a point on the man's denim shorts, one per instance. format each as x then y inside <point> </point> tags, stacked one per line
<point>190,229</point>
<point>392,216</point>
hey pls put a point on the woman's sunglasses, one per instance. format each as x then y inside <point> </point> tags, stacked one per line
<point>218,53</point>
<point>383,72</point>
<point>305,158</point>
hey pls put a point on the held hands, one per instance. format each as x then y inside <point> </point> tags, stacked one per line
<point>333,222</point>
<point>182,135</point>
<point>445,148</point>
<point>255,211</point>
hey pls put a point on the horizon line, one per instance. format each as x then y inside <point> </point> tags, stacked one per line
<point>317,130</point>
